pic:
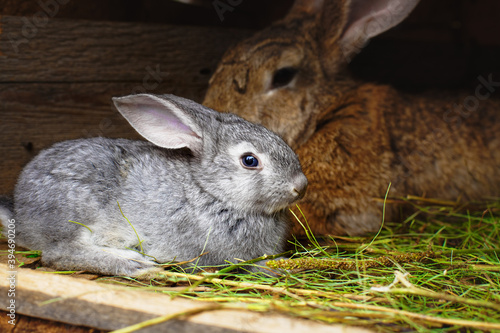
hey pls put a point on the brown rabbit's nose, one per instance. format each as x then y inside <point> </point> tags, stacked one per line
<point>299,187</point>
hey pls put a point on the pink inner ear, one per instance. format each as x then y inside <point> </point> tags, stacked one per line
<point>165,129</point>
<point>370,18</point>
<point>161,121</point>
<point>360,10</point>
<point>171,121</point>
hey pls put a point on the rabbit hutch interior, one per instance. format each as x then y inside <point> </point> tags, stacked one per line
<point>62,62</point>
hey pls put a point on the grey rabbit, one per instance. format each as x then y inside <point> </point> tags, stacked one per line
<point>205,183</point>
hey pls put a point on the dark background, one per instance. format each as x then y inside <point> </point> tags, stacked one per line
<point>444,43</point>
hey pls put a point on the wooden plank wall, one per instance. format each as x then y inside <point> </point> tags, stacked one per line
<point>56,81</point>
<point>57,76</point>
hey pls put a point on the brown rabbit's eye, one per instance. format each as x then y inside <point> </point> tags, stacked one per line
<point>283,76</point>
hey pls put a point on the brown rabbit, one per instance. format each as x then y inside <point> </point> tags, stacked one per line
<point>354,138</point>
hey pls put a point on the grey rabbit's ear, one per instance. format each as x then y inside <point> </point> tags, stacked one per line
<point>167,121</point>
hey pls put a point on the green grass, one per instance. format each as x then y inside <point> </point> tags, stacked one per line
<point>438,271</point>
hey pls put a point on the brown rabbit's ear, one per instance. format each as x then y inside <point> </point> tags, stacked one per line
<point>346,25</point>
<point>305,7</point>
<point>367,19</point>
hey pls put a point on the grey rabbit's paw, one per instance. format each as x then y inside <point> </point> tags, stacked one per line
<point>101,260</point>
<point>134,264</point>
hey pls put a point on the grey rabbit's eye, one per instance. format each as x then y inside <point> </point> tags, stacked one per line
<point>249,161</point>
<point>283,76</point>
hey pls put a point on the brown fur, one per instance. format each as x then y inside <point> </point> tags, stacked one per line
<point>354,138</point>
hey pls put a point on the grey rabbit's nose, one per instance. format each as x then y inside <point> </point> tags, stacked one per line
<point>299,186</point>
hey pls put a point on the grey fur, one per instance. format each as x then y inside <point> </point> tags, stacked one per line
<point>182,202</point>
<point>6,210</point>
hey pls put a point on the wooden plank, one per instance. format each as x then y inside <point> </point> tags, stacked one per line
<point>61,50</point>
<point>34,116</point>
<point>253,14</point>
<point>59,84</point>
<point>27,324</point>
<point>88,303</point>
